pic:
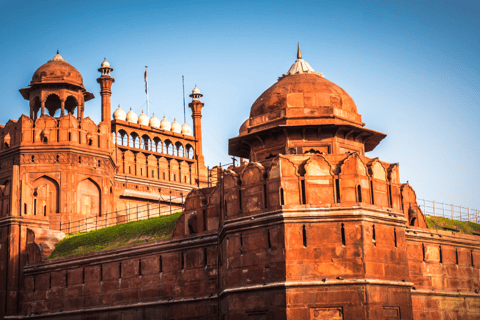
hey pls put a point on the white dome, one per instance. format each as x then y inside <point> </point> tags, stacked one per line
<point>176,126</point>
<point>154,122</point>
<point>165,125</point>
<point>132,116</point>
<point>195,90</point>
<point>57,57</point>
<point>119,114</point>
<point>186,129</point>
<point>143,119</point>
<point>105,64</point>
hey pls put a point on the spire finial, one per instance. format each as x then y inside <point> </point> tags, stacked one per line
<point>299,53</point>
<point>57,52</point>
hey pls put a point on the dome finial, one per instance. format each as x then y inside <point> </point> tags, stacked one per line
<point>299,53</point>
<point>58,52</point>
<point>57,57</point>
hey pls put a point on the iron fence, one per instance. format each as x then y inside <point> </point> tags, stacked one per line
<point>441,209</point>
<point>135,213</point>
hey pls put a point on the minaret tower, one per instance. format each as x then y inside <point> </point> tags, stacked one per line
<point>196,105</point>
<point>106,82</point>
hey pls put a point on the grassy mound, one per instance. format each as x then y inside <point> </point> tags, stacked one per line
<point>116,236</point>
<point>441,223</point>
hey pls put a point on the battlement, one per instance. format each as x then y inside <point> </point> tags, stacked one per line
<point>48,132</point>
<point>302,181</point>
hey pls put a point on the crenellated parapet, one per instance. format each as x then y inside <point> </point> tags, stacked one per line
<point>303,181</point>
<point>49,131</point>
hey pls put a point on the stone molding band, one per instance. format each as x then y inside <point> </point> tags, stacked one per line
<point>292,284</point>
<point>112,308</point>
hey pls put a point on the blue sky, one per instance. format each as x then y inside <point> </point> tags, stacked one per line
<point>412,68</point>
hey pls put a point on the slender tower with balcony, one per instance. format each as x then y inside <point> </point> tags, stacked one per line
<point>106,82</point>
<point>196,105</point>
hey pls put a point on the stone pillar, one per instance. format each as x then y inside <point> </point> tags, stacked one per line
<point>62,108</point>
<point>43,107</point>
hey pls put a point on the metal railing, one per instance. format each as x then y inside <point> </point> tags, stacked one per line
<point>139,212</point>
<point>450,211</point>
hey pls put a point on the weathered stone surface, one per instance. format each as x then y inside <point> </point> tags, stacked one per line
<point>310,228</point>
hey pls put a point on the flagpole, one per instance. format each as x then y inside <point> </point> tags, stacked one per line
<point>146,91</point>
<point>184,114</point>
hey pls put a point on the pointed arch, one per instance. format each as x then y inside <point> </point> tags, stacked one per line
<point>89,198</point>
<point>45,196</point>
<point>71,103</point>
<point>52,104</point>
<point>319,180</point>
<point>353,172</point>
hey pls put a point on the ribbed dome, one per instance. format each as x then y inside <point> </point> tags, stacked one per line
<point>154,122</point>
<point>165,125</point>
<point>186,129</point>
<point>143,119</point>
<point>132,116</point>
<point>57,70</point>
<point>119,114</point>
<point>176,126</point>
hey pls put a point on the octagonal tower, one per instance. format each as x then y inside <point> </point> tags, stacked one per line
<point>310,228</point>
<point>56,85</point>
<point>303,113</point>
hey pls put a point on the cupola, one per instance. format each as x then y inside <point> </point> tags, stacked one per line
<point>143,119</point>
<point>132,116</point>
<point>165,125</point>
<point>186,130</point>
<point>154,122</point>
<point>302,112</point>
<point>196,95</point>
<point>56,85</point>
<point>176,127</point>
<point>119,114</point>
<point>105,68</point>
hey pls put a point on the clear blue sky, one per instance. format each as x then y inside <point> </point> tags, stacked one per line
<point>411,67</point>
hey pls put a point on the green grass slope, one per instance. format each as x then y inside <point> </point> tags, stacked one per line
<point>116,236</point>
<point>441,223</point>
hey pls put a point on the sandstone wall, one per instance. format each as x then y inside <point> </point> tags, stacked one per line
<point>445,270</point>
<point>164,280</point>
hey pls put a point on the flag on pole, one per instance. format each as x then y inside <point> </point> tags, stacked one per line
<point>146,81</point>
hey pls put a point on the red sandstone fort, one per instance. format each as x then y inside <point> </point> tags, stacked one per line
<point>308,228</point>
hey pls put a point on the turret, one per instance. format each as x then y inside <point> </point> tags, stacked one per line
<point>56,85</point>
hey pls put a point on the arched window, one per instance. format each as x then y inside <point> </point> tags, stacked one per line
<point>71,104</point>
<point>168,147</point>
<point>122,137</point>
<point>157,145</point>
<point>52,104</point>
<point>189,152</point>
<point>135,140</point>
<point>179,149</point>
<point>145,143</point>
